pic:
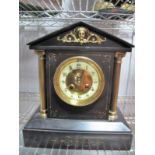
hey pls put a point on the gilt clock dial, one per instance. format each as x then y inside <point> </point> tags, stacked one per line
<point>79,81</point>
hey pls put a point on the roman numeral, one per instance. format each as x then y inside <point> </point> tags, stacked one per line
<point>70,68</point>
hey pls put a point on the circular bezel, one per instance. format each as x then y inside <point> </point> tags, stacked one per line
<point>85,102</point>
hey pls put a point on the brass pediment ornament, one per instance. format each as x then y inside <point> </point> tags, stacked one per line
<point>81,35</point>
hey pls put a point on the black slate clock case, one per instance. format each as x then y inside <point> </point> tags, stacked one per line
<point>104,55</point>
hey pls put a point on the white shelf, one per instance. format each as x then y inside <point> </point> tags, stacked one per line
<point>55,13</point>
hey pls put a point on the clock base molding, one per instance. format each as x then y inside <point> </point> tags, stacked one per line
<point>77,134</point>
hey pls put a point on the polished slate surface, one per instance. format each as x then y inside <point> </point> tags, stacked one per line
<point>76,125</point>
<point>83,133</point>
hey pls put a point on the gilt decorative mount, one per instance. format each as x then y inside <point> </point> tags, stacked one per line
<point>81,35</point>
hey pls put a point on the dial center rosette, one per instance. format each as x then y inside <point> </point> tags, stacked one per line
<point>79,81</point>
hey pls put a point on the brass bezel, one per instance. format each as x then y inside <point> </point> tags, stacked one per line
<point>85,102</point>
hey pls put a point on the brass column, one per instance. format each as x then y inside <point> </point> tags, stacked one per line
<point>41,63</point>
<point>117,70</point>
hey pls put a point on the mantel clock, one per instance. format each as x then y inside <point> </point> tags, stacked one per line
<point>79,71</point>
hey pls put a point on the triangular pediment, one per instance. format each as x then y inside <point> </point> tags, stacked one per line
<point>80,35</point>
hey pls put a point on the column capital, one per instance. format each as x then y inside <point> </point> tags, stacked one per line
<point>119,56</point>
<point>40,52</point>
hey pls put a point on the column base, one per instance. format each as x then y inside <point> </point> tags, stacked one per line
<point>43,113</point>
<point>112,116</point>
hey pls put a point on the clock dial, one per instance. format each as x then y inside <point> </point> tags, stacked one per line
<point>79,81</point>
